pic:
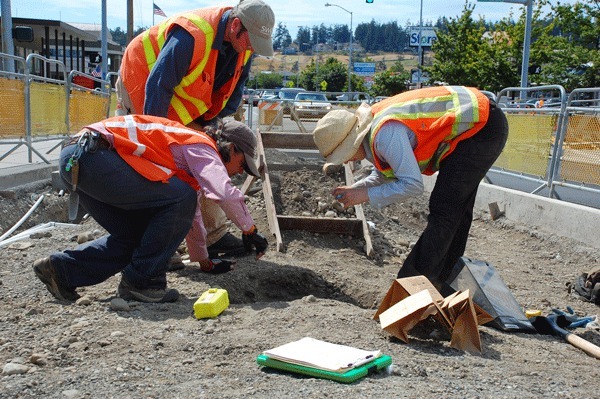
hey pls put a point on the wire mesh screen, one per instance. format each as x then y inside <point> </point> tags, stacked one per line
<point>48,109</point>
<point>529,143</point>
<point>12,112</point>
<point>580,160</point>
<point>86,108</point>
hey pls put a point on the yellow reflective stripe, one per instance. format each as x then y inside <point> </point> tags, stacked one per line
<point>161,36</point>
<point>466,110</point>
<point>148,49</point>
<point>434,107</point>
<point>209,33</point>
<point>247,56</point>
<point>194,74</point>
<point>181,110</point>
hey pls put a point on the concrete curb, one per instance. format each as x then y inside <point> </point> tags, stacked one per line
<point>16,176</point>
<point>558,217</point>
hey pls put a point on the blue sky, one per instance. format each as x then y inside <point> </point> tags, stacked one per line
<point>292,13</point>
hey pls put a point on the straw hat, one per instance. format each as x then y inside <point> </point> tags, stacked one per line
<point>339,134</point>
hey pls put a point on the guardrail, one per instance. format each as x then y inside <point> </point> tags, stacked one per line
<point>556,145</point>
<point>46,105</point>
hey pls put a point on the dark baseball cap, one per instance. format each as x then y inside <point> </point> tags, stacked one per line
<point>244,139</point>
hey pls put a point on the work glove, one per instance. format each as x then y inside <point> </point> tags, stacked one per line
<point>570,319</point>
<point>252,238</point>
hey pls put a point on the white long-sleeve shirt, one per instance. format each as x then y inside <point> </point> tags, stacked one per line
<point>394,144</point>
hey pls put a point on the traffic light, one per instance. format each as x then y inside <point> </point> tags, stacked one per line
<point>369,1</point>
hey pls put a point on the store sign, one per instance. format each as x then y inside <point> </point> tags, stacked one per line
<point>428,36</point>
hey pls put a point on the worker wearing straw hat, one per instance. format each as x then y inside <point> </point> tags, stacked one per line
<point>453,130</point>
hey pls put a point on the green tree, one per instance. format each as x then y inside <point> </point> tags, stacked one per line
<point>119,36</point>
<point>388,83</point>
<point>303,36</point>
<point>269,80</point>
<point>331,71</point>
<point>281,37</point>
<point>463,55</point>
<point>575,42</point>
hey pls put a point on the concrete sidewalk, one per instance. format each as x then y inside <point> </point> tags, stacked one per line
<point>16,168</point>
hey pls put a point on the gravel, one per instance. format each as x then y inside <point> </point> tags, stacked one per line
<point>321,285</point>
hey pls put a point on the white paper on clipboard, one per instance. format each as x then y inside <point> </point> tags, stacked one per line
<point>322,355</point>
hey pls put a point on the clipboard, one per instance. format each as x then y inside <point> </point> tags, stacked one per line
<point>349,376</point>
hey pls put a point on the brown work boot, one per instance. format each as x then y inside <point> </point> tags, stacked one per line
<point>175,263</point>
<point>44,270</point>
<point>151,295</point>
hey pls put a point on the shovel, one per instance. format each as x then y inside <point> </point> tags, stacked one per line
<point>549,326</point>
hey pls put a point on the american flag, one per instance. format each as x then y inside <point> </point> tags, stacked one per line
<point>97,72</point>
<point>158,11</point>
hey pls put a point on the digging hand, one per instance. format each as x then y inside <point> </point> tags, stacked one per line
<point>252,238</point>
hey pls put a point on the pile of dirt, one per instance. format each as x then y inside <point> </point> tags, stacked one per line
<point>321,285</point>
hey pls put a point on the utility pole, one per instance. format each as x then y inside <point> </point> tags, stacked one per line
<point>350,49</point>
<point>8,46</point>
<point>318,86</point>
<point>129,21</point>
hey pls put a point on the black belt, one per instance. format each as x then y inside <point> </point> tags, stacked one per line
<point>90,140</point>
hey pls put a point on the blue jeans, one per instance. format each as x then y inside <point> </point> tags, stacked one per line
<point>145,220</point>
<point>452,200</point>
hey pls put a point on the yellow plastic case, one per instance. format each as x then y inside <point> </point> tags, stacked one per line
<point>211,303</point>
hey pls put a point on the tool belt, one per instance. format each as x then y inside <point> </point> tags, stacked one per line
<point>90,141</point>
<point>85,142</point>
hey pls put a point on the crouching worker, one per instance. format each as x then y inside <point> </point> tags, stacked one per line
<point>455,130</point>
<point>137,176</point>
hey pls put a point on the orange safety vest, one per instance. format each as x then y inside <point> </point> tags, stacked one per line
<point>143,142</point>
<point>440,118</point>
<point>194,96</point>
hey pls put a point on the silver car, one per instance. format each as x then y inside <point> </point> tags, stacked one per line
<point>311,105</point>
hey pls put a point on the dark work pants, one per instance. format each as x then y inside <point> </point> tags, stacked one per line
<point>145,220</point>
<point>452,200</point>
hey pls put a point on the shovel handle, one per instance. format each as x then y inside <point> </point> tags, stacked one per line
<point>584,345</point>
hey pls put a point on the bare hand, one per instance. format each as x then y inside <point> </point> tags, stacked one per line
<point>349,196</point>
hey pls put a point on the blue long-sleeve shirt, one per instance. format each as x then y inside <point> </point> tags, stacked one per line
<point>394,144</point>
<point>173,63</point>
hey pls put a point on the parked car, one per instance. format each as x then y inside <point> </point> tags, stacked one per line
<point>311,105</point>
<point>287,95</point>
<point>269,94</point>
<point>354,97</point>
<point>379,98</point>
<point>250,93</point>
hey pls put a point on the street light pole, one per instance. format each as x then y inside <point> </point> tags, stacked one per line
<point>350,51</point>
<point>299,51</point>
<point>420,52</point>
<point>318,86</point>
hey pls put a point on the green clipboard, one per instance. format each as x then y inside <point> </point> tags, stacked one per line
<point>345,377</point>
